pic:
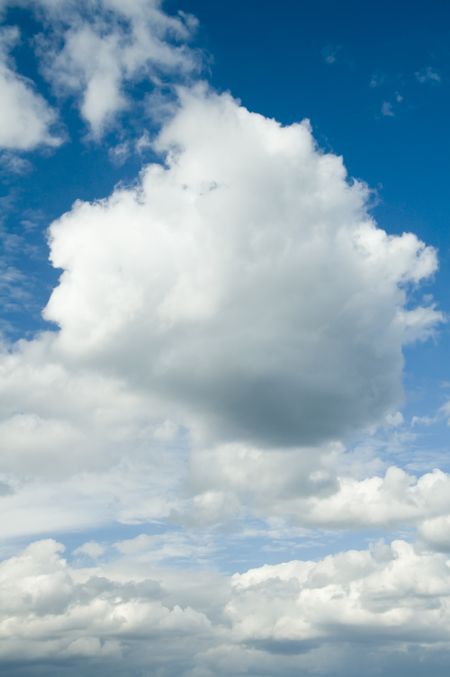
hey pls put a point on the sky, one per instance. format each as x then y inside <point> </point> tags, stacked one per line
<point>224,383</point>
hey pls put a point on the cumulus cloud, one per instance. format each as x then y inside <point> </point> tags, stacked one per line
<point>374,596</point>
<point>396,498</point>
<point>225,319</point>
<point>230,480</point>
<point>25,117</point>
<point>89,444</point>
<point>435,532</point>
<point>54,613</point>
<point>125,616</point>
<point>244,280</point>
<point>57,421</point>
<point>224,324</point>
<point>312,487</point>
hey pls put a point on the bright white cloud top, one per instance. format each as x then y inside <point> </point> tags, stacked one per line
<point>225,366</point>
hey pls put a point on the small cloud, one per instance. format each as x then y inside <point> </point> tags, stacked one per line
<point>119,154</point>
<point>394,420</point>
<point>445,411</point>
<point>144,143</point>
<point>12,163</point>
<point>428,76</point>
<point>386,110</point>
<point>91,549</point>
<point>387,107</point>
<point>376,80</point>
<point>422,420</point>
<point>330,53</point>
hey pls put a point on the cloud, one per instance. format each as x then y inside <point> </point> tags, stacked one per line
<point>127,616</point>
<point>232,479</point>
<point>223,325</point>
<point>90,549</point>
<point>89,444</point>
<point>312,487</point>
<point>445,411</point>
<point>97,51</point>
<point>330,53</point>
<point>387,110</point>
<point>376,80</point>
<point>25,117</point>
<point>68,616</point>
<point>396,498</point>
<point>428,75</point>
<point>435,532</point>
<point>374,597</point>
<point>56,421</point>
<point>243,282</point>
<point>229,316</point>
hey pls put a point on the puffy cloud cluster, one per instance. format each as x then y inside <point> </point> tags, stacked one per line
<point>25,117</point>
<point>224,324</point>
<point>54,613</point>
<point>123,616</point>
<point>221,324</point>
<point>385,595</point>
<point>385,501</point>
<point>317,488</point>
<point>244,281</point>
<point>225,319</point>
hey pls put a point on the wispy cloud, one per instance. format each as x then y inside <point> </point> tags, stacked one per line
<point>428,75</point>
<point>330,53</point>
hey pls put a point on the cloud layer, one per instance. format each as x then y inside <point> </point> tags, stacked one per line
<point>125,615</point>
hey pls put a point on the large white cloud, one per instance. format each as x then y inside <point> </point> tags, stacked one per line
<point>243,280</point>
<point>25,117</point>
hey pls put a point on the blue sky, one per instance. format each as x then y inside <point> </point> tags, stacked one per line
<point>225,392</point>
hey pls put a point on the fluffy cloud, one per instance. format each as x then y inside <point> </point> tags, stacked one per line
<point>97,50</point>
<point>232,479</point>
<point>222,323</point>
<point>318,488</point>
<point>315,617</point>
<point>224,320</point>
<point>56,421</point>
<point>244,281</point>
<point>25,118</point>
<point>382,596</point>
<point>86,443</point>
<point>396,498</point>
<point>435,532</point>
<point>56,614</point>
